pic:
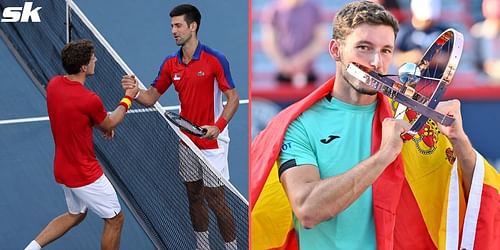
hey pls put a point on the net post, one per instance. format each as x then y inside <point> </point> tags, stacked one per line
<point>68,21</point>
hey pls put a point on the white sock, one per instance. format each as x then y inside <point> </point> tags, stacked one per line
<point>33,246</point>
<point>233,245</point>
<point>202,240</point>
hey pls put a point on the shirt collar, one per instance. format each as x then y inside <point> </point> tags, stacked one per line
<point>196,55</point>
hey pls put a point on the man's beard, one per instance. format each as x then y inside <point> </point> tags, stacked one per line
<point>183,41</point>
<point>350,79</point>
<point>359,89</point>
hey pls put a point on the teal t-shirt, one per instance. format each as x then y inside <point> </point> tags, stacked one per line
<point>334,136</point>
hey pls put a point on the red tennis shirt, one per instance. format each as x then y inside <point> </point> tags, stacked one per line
<point>73,112</point>
<point>200,84</point>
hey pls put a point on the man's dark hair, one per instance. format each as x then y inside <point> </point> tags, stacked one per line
<point>361,12</point>
<point>76,54</point>
<point>191,14</point>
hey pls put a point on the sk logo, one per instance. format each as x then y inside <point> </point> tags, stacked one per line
<point>177,77</point>
<point>200,73</point>
<point>329,139</point>
<point>21,14</point>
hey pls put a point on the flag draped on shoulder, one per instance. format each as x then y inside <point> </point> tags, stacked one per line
<point>271,221</point>
<point>418,201</point>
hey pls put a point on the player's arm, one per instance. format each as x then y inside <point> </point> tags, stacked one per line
<point>233,101</point>
<point>148,97</point>
<point>112,120</point>
<point>314,200</point>
<point>224,81</point>
<point>462,146</point>
<point>145,97</point>
<point>116,117</point>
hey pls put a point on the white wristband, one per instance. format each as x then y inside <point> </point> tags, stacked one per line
<point>137,95</point>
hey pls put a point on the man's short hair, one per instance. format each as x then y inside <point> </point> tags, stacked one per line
<point>191,14</point>
<point>76,54</point>
<point>361,12</point>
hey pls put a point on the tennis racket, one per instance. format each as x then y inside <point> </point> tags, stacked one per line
<point>184,124</point>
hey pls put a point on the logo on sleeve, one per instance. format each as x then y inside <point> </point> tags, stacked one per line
<point>329,139</point>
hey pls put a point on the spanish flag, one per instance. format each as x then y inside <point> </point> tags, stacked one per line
<point>418,201</point>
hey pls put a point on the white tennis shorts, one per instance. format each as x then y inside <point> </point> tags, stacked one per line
<point>191,168</point>
<point>100,197</point>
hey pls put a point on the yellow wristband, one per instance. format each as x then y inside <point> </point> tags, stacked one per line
<point>126,101</point>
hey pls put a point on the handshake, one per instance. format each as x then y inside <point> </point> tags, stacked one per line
<point>130,85</point>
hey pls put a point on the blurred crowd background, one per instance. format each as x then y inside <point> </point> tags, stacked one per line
<point>290,51</point>
<point>290,38</point>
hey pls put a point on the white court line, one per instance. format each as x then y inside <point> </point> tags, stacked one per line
<point>46,118</point>
<point>24,120</point>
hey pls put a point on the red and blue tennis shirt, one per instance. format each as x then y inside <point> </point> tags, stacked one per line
<point>200,85</point>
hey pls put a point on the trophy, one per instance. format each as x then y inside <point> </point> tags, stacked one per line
<point>418,86</point>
